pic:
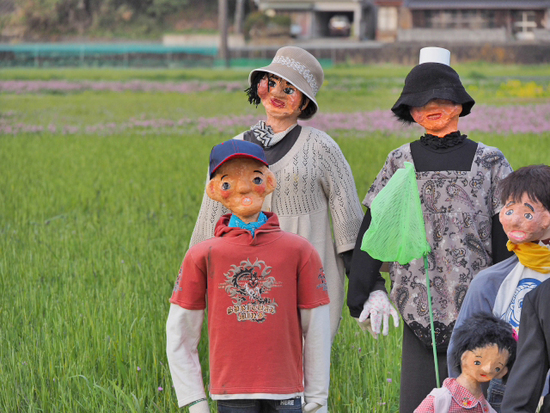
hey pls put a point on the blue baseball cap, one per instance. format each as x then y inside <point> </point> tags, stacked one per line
<point>235,148</point>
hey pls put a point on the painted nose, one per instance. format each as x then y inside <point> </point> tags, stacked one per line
<point>432,103</point>
<point>486,368</point>
<point>243,186</point>
<point>516,219</point>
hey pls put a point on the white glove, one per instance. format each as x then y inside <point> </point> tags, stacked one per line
<point>200,407</point>
<point>376,311</point>
<point>311,407</point>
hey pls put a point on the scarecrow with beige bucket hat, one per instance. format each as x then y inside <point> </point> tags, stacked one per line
<point>315,182</point>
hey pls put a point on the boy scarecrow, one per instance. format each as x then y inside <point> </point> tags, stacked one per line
<point>268,312</point>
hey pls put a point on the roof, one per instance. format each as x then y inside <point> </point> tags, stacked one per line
<point>477,4</point>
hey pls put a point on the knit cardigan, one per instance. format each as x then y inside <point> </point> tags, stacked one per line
<point>315,192</point>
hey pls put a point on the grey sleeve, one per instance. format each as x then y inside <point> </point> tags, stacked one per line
<point>316,332</point>
<point>480,297</point>
<point>183,333</point>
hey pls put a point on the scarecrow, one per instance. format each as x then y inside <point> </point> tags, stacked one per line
<point>456,180</point>
<point>501,289</point>
<point>316,195</point>
<point>486,348</point>
<point>268,312</point>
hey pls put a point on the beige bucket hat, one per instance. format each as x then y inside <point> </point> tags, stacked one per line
<point>298,67</point>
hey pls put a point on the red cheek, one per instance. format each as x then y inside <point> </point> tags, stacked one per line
<point>225,194</point>
<point>260,189</point>
<point>294,100</point>
<point>262,89</point>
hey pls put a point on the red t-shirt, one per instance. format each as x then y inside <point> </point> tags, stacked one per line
<point>255,288</point>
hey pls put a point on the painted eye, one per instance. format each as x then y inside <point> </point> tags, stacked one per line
<point>226,186</point>
<point>528,216</point>
<point>477,363</point>
<point>257,180</point>
<point>289,91</point>
<point>509,212</point>
<point>498,369</point>
<point>271,83</point>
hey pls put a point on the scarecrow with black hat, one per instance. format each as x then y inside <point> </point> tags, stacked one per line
<point>316,196</point>
<point>266,293</point>
<point>457,180</point>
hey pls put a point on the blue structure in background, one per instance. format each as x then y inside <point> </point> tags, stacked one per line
<point>105,55</point>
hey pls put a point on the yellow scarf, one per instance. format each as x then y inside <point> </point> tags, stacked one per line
<point>532,255</point>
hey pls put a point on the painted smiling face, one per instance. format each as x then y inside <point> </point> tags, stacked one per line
<point>241,185</point>
<point>525,220</point>
<point>484,364</point>
<point>281,99</point>
<point>439,116</point>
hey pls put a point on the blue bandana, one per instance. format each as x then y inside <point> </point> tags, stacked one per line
<point>236,222</point>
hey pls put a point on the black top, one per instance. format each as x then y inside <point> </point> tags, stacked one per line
<point>453,152</point>
<point>528,376</point>
<point>276,152</point>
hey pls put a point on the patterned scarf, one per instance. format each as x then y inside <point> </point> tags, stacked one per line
<point>266,136</point>
<point>236,222</point>
<point>531,255</point>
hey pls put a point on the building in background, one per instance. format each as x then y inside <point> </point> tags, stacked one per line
<point>325,18</point>
<point>391,16</point>
<point>472,20</point>
<point>465,21</point>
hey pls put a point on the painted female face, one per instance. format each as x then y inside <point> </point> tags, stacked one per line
<point>281,99</point>
<point>525,220</point>
<point>241,185</point>
<point>485,364</point>
<point>439,116</point>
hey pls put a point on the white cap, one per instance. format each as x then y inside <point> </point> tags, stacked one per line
<point>435,55</point>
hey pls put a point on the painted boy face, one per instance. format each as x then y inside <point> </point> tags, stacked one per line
<point>241,185</point>
<point>439,116</point>
<point>281,99</point>
<point>525,220</point>
<point>485,364</point>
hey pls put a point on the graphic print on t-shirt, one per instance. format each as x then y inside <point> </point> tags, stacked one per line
<point>248,284</point>
<point>322,280</point>
<point>513,313</point>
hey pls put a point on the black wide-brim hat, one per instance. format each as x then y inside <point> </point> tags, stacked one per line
<point>429,81</point>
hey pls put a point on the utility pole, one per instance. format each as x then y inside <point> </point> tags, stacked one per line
<point>223,26</point>
<point>239,12</point>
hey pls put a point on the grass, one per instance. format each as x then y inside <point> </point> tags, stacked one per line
<point>93,230</point>
<point>474,70</point>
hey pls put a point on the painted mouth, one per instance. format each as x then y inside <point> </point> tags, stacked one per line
<point>278,103</point>
<point>517,235</point>
<point>246,201</point>
<point>434,116</point>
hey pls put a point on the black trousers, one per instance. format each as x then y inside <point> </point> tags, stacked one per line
<point>418,371</point>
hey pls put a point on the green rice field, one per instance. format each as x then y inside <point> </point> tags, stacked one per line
<point>95,221</point>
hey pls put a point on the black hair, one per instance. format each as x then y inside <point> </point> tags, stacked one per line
<point>254,99</point>
<point>480,331</point>
<point>533,180</point>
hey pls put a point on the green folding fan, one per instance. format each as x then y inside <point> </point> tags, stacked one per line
<point>397,233</point>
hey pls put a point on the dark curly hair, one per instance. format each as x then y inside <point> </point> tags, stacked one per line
<point>533,180</point>
<point>254,99</point>
<point>483,330</point>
